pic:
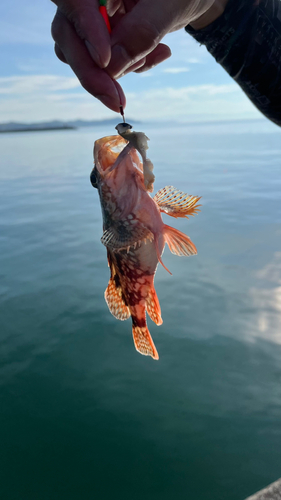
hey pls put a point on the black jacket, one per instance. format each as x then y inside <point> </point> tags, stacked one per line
<point>246,41</point>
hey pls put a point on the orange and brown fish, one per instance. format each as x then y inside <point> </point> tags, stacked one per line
<point>133,231</point>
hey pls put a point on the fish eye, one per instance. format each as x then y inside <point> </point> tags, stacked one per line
<point>93,178</point>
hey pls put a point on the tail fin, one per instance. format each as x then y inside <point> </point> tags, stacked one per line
<point>143,342</point>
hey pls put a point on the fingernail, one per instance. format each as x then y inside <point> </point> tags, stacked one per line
<point>93,53</point>
<point>120,60</point>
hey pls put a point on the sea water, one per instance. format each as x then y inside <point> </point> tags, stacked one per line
<point>83,415</point>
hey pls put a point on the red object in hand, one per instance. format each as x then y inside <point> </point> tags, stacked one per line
<point>103,11</point>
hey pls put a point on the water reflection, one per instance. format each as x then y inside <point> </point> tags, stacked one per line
<point>267,302</point>
<point>272,270</point>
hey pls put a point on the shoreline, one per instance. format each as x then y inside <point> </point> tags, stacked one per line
<point>37,129</point>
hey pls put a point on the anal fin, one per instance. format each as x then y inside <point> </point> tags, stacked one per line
<point>115,302</point>
<point>153,307</point>
<point>113,294</point>
<point>178,242</point>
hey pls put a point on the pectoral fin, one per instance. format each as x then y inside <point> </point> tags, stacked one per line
<point>178,242</point>
<point>122,236</point>
<point>176,203</point>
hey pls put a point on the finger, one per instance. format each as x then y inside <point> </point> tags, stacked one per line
<point>113,6</point>
<point>89,25</point>
<point>94,79</point>
<point>134,67</point>
<point>59,54</point>
<point>138,33</point>
<point>157,56</point>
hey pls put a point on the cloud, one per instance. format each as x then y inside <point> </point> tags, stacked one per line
<point>193,60</point>
<point>185,92</point>
<point>48,97</point>
<point>185,49</point>
<point>175,71</point>
<point>36,84</point>
<point>197,102</point>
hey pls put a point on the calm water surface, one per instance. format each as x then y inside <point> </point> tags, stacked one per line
<point>83,415</point>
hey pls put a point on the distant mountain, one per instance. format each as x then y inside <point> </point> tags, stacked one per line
<point>57,125</point>
<point>34,127</point>
<point>98,123</point>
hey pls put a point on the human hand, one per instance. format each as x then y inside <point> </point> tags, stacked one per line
<point>142,24</point>
<point>82,40</point>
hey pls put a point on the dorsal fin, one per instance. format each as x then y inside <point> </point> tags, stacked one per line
<point>176,203</point>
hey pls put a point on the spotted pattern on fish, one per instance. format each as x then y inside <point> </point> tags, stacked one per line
<point>135,235</point>
<point>115,298</point>
<point>139,296</point>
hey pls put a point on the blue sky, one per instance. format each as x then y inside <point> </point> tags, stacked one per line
<point>36,86</point>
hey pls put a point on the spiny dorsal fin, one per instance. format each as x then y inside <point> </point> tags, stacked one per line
<point>178,242</point>
<point>176,203</point>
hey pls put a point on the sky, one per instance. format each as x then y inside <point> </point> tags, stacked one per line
<point>35,86</point>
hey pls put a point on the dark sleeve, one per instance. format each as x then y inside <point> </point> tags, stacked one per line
<point>246,41</point>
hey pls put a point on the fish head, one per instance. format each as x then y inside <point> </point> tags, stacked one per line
<point>118,176</point>
<point>106,152</point>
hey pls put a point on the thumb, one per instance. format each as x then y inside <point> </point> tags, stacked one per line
<point>138,33</point>
<point>89,25</point>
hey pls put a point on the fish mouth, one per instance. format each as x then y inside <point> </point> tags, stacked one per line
<point>107,150</point>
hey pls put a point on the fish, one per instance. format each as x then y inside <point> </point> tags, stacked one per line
<point>134,233</point>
